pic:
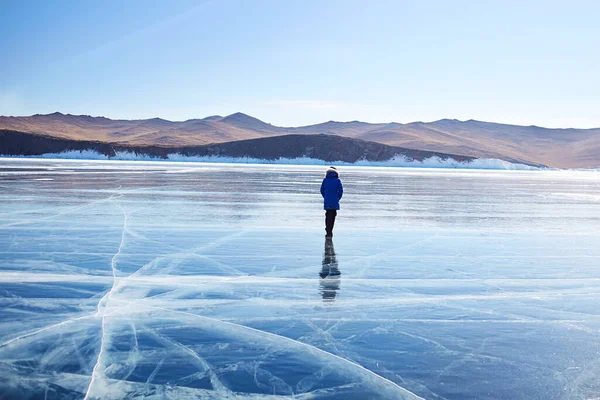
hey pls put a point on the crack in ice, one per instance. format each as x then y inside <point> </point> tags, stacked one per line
<point>15,339</point>
<point>295,343</point>
<point>214,380</point>
<point>65,212</point>
<point>105,300</point>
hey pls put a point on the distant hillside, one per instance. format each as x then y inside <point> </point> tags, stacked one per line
<point>144,132</point>
<point>322,147</point>
<point>243,121</point>
<point>563,148</point>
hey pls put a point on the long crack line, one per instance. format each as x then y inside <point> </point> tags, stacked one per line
<point>103,304</point>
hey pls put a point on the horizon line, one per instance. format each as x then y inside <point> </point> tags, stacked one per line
<point>292,127</point>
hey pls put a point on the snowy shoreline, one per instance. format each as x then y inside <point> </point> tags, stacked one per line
<point>397,161</point>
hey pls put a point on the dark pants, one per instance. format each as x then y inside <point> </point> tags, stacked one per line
<point>329,221</point>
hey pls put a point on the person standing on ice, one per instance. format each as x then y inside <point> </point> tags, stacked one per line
<point>332,191</point>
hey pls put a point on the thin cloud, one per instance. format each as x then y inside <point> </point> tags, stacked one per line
<point>12,102</point>
<point>317,104</point>
<point>140,33</point>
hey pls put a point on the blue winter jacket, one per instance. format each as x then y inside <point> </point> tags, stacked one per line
<point>332,190</point>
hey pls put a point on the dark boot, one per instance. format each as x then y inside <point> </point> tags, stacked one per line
<point>329,222</point>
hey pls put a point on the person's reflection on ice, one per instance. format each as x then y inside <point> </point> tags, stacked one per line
<point>330,273</point>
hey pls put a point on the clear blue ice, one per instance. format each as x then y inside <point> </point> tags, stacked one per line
<point>183,280</point>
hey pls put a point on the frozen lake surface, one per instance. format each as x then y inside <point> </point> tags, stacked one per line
<point>168,280</point>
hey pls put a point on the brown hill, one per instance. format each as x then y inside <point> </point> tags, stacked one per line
<point>564,148</point>
<point>322,147</point>
<point>144,132</point>
<point>350,129</point>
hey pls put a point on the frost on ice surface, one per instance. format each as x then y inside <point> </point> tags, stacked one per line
<point>179,280</point>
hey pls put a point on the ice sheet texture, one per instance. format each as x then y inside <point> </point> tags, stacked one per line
<point>168,280</point>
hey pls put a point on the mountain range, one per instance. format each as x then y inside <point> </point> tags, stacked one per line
<point>561,148</point>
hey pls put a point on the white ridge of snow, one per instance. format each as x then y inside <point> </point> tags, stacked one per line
<point>397,161</point>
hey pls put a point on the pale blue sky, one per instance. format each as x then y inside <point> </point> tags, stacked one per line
<point>301,62</point>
